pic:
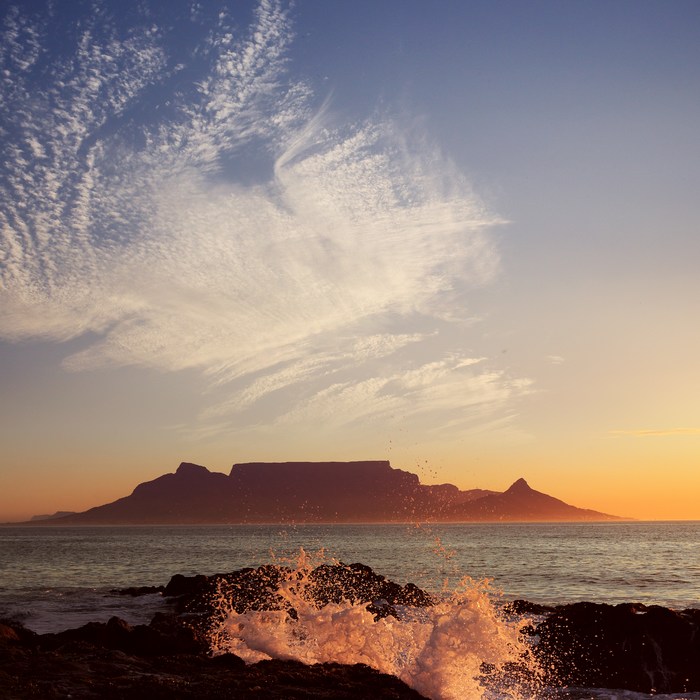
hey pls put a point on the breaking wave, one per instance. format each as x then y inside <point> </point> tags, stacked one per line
<point>460,645</point>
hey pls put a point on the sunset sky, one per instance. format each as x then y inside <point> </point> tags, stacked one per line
<point>462,236</point>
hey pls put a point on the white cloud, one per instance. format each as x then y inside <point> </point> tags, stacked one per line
<point>316,275</point>
<point>436,398</point>
<point>669,432</point>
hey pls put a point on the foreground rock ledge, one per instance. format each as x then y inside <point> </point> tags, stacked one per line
<point>632,647</point>
<point>169,658</point>
<point>649,649</point>
<point>114,661</point>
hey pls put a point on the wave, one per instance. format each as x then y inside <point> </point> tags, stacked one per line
<point>460,645</point>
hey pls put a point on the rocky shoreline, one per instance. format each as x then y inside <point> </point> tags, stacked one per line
<point>634,647</point>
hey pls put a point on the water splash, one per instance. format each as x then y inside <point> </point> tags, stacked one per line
<point>460,646</point>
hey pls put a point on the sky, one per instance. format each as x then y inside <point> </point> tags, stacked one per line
<point>461,236</point>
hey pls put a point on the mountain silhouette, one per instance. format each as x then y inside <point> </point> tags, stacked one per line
<point>520,502</point>
<point>340,492</point>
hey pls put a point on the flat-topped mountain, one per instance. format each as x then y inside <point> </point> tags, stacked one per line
<point>330,492</point>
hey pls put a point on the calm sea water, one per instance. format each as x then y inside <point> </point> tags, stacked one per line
<point>57,577</point>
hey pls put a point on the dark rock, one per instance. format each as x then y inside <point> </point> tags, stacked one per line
<point>12,631</point>
<point>165,635</point>
<point>358,583</point>
<point>646,649</point>
<point>228,660</point>
<point>184,585</point>
<point>256,589</point>
<point>525,607</point>
<point>8,634</point>
<point>242,590</point>
<point>630,646</point>
<point>76,664</point>
<point>293,679</point>
<point>136,591</point>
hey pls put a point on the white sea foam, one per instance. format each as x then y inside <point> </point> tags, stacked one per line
<point>461,647</point>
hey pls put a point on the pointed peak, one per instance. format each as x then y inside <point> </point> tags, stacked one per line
<point>519,486</point>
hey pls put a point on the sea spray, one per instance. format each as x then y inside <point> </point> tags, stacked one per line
<point>457,646</point>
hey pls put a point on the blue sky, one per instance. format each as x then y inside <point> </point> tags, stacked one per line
<point>462,236</point>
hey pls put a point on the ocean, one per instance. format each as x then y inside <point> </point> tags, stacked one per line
<point>53,578</point>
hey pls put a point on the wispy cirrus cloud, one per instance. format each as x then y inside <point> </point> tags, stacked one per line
<point>669,432</point>
<point>435,398</point>
<point>219,219</point>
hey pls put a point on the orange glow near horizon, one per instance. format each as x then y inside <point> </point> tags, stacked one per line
<point>636,490</point>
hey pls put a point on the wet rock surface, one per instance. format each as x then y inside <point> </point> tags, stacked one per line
<point>256,589</point>
<point>170,657</point>
<point>113,661</point>
<point>631,646</point>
